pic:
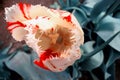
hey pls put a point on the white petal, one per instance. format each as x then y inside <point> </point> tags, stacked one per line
<point>19,33</point>
<point>56,64</point>
<point>13,14</point>
<point>38,10</point>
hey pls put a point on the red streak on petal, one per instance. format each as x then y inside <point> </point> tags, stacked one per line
<point>40,64</point>
<point>13,23</point>
<point>28,7</point>
<point>68,18</point>
<point>17,23</point>
<point>52,29</point>
<point>60,69</point>
<point>45,55</point>
<point>44,16</point>
<point>36,17</point>
<point>10,30</point>
<point>35,29</point>
<point>52,65</point>
<point>21,6</point>
<point>37,26</point>
<point>48,18</point>
<point>52,10</point>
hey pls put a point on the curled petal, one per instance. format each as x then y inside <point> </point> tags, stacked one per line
<point>19,34</point>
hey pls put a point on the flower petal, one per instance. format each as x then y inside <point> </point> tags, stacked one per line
<point>38,10</point>
<point>19,33</point>
<point>14,13</point>
<point>60,63</point>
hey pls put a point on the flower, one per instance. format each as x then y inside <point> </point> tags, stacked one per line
<point>54,34</point>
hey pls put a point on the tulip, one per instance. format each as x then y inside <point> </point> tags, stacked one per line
<point>55,35</point>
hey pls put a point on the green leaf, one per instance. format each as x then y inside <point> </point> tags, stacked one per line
<point>111,71</point>
<point>55,5</point>
<point>107,28</point>
<point>108,67</point>
<point>92,62</point>
<point>114,55</point>
<point>62,4</point>
<point>75,73</point>
<point>86,10</point>
<point>74,2</point>
<point>99,8</point>
<point>93,76</point>
<point>113,7</point>
<point>4,73</point>
<point>105,72</point>
<point>4,55</point>
<point>107,75</point>
<point>90,3</point>
<point>81,16</point>
<point>68,3</point>
<point>22,63</point>
<point>117,15</point>
<point>4,51</point>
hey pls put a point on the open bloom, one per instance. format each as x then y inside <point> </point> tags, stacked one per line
<point>54,34</point>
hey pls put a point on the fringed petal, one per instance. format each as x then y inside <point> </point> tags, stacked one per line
<point>14,13</point>
<point>60,63</point>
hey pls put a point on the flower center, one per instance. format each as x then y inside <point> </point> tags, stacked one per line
<point>57,39</point>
